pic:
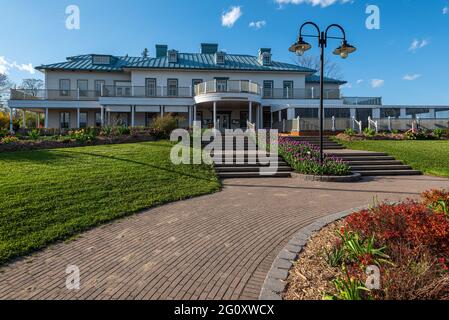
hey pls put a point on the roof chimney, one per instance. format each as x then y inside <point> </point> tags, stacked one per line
<point>209,48</point>
<point>161,50</point>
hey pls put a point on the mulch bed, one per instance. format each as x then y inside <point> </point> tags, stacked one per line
<point>27,145</point>
<point>311,276</point>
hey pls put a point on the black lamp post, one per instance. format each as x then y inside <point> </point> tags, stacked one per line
<point>343,51</point>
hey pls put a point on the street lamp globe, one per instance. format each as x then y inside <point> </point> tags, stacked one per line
<point>344,50</point>
<point>300,47</point>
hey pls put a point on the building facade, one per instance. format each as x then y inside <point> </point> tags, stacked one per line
<point>225,91</point>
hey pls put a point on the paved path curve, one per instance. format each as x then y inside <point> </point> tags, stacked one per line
<point>213,247</point>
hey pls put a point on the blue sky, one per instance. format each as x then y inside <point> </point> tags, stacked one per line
<point>412,42</point>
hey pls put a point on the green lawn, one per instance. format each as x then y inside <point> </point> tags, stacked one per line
<point>51,195</point>
<point>430,157</point>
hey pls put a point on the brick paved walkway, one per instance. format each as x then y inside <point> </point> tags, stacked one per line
<point>213,247</point>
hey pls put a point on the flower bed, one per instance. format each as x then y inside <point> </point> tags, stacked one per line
<point>408,242</point>
<point>304,158</point>
<point>370,134</point>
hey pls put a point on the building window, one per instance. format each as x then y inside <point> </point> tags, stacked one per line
<point>83,88</point>
<point>173,56</point>
<point>150,87</point>
<point>390,112</point>
<point>83,120</point>
<point>268,89</point>
<point>220,58</point>
<point>99,84</point>
<point>98,119</point>
<point>288,89</point>
<point>150,117</point>
<point>123,88</point>
<point>101,60</point>
<point>172,87</point>
<point>64,120</point>
<point>442,113</point>
<point>195,82</point>
<point>422,113</point>
<point>337,113</point>
<point>64,87</point>
<point>306,112</point>
<point>221,85</point>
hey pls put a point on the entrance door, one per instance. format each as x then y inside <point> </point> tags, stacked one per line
<point>224,121</point>
<point>363,114</point>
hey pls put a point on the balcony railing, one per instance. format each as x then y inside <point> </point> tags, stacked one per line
<point>106,91</point>
<point>362,101</point>
<point>228,86</point>
<point>286,93</point>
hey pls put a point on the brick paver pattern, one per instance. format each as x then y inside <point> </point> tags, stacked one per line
<point>219,246</point>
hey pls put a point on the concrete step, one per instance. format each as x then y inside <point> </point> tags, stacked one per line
<point>233,175</point>
<point>257,165</point>
<point>249,169</point>
<point>380,158</point>
<point>375,162</point>
<point>359,154</point>
<point>374,173</point>
<point>380,167</point>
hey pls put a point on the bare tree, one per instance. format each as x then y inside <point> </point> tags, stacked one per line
<point>331,69</point>
<point>5,84</point>
<point>32,85</point>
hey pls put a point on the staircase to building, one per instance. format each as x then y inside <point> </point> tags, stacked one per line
<point>246,163</point>
<point>328,143</point>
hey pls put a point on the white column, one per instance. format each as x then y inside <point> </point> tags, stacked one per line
<point>290,113</point>
<point>24,120</point>
<point>215,115</point>
<point>77,118</point>
<point>191,115</point>
<point>403,113</point>
<point>46,118</point>
<point>250,112</point>
<point>133,116</point>
<point>162,111</point>
<point>102,114</point>
<point>194,113</point>
<point>11,120</point>
<point>280,115</point>
<point>353,112</point>
<point>37,120</point>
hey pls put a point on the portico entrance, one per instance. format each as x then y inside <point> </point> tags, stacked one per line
<point>224,120</point>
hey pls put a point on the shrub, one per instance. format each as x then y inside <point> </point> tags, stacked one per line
<point>123,130</point>
<point>419,135</point>
<point>9,140</point>
<point>34,134</point>
<point>437,200</point>
<point>3,133</point>
<point>445,133</point>
<point>82,135</point>
<point>163,127</point>
<point>350,132</point>
<point>106,131</point>
<point>349,288</point>
<point>438,133</point>
<point>304,158</point>
<point>369,132</point>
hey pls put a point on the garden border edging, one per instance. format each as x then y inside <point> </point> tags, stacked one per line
<point>354,177</point>
<point>275,281</point>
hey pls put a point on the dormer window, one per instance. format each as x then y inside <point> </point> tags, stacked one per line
<point>173,56</point>
<point>265,56</point>
<point>101,60</point>
<point>220,58</point>
<point>266,59</point>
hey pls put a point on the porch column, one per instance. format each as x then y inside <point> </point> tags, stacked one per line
<point>190,116</point>
<point>102,116</point>
<point>133,116</point>
<point>280,115</point>
<point>78,111</point>
<point>258,117</point>
<point>38,120</point>
<point>24,120</point>
<point>250,112</point>
<point>215,115</point>
<point>11,126</point>
<point>46,118</point>
<point>194,113</point>
<point>162,111</point>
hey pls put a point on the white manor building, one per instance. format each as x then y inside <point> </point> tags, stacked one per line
<point>96,90</point>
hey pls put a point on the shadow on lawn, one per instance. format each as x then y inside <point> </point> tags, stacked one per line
<point>167,169</point>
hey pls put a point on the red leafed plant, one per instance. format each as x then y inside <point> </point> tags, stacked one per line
<point>411,223</point>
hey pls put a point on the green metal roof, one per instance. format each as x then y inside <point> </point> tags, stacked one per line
<point>195,61</point>
<point>316,79</point>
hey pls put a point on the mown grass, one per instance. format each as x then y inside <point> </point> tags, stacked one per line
<point>430,157</point>
<point>51,195</point>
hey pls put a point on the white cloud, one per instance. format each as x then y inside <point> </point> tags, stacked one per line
<point>258,24</point>
<point>229,18</point>
<point>418,44</point>
<point>377,83</point>
<point>346,86</point>
<point>445,10</point>
<point>411,77</point>
<point>359,82</point>
<point>321,3</point>
<point>6,65</point>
